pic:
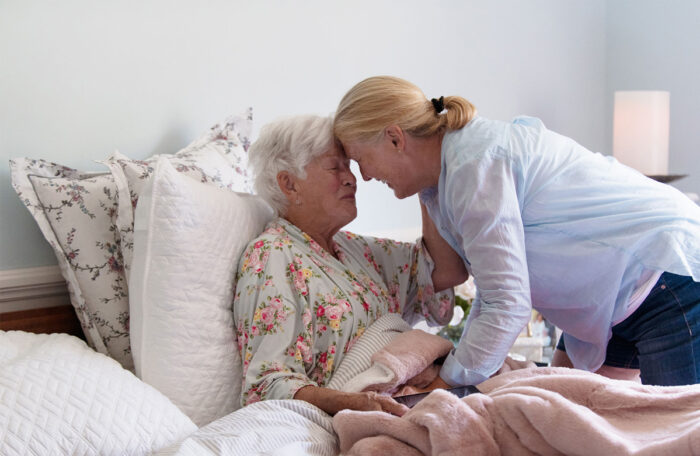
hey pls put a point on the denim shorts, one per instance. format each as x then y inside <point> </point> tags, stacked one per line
<point>662,337</point>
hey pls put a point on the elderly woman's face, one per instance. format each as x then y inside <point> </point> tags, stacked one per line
<point>328,192</point>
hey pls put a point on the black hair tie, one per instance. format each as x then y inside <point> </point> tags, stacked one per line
<point>438,104</point>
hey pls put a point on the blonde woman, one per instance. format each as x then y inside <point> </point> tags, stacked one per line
<point>603,252</point>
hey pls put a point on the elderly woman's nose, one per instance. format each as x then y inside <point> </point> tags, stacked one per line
<point>349,177</point>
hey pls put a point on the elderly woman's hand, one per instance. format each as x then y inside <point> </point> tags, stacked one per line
<point>332,401</point>
<point>371,401</point>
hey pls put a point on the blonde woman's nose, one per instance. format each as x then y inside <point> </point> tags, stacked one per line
<point>365,176</point>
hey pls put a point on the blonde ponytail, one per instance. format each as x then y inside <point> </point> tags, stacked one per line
<point>458,112</point>
<point>380,101</point>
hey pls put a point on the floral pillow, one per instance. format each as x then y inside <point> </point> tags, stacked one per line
<point>219,158</point>
<point>76,212</point>
<point>89,223</point>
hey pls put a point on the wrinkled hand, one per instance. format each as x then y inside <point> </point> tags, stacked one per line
<point>371,401</point>
<point>332,401</point>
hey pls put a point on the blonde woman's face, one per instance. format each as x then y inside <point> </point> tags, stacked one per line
<point>382,161</point>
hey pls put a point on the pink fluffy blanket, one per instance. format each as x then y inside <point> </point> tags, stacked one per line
<point>535,411</point>
<point>407,360</point>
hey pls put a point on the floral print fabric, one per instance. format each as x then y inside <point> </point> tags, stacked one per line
<point>82,214</point>
<point>298,309</point>
<point>76,212</point>
<point>79,215</point>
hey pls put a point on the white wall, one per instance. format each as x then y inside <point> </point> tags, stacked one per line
<point>655,45</point>
<point>80,78</point>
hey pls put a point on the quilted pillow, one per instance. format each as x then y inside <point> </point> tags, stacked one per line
<point>76,213</point>
<point>219,158</point>
<point>57,396</point>
<point>188,238</point>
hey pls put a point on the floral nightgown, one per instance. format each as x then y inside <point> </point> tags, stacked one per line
<point>298,309</point>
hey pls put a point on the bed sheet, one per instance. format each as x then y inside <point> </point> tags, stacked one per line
<point>274,427</point>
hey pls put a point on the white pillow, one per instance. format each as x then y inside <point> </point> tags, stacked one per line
<point>188,237</point>
<point>218,158</point>
<point>57,396</point>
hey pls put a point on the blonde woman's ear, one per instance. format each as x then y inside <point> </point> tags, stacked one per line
<point>396,135</point>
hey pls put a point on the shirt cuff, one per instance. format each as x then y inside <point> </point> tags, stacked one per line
<point>287,387</point>
<point>454,374</point>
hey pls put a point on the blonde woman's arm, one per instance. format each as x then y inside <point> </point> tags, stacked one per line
<point>449,268</point>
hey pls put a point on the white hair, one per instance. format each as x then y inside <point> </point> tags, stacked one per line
<point>287,144</point>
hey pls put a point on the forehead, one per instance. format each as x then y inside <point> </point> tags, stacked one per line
<point>357,149</point>
<point>333,152</point>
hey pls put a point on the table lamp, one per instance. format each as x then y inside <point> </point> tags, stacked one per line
<point>640,132</point>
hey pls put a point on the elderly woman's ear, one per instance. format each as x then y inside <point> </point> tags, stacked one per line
<point>287,185</point>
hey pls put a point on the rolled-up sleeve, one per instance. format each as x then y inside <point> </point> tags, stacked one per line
<point>271,326</point>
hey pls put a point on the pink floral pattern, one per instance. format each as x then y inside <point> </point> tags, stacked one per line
<point>300,276</point>
<point>269,316</point>
<point>254,261</point>
<point>298,309</point>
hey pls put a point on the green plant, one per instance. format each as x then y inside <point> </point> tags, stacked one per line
<point>453,333</point>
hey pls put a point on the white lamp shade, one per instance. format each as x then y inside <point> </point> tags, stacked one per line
<point>640,130</point>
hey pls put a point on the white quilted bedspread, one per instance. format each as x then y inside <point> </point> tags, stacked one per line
<point>59,397</point>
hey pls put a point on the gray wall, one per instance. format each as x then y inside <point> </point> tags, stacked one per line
<point>655,45</point>
<point>80,78</point>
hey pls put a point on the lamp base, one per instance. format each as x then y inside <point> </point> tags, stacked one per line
<point>666,178</point>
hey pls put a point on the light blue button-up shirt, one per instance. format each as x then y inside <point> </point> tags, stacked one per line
<point>542,222</point>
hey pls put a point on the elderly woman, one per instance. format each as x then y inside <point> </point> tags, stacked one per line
<point>306,291</point>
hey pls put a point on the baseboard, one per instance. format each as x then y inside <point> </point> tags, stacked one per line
<point>32,288</point>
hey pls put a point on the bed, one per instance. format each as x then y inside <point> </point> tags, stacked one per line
<point>145,361</point>
<point>545,411</point>
<point>59,396</point>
